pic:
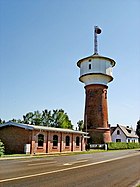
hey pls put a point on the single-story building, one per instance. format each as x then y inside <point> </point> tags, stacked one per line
<point>123,134</point>
<point>32,139</point>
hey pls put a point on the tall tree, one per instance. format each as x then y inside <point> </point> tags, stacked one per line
<point>28,118</point>
<point>138,129</point>
<point>80,125</point>
<point>37,118</point>
<point>57,118</point>
<point>47,118</point>
<point>61,119</point>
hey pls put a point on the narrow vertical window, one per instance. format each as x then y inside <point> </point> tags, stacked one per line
<point>77,141</point>
<point>55,140</point>
<point>67,141</point>
<point>89,66</point>
<point>40,140</point>
<point>118,132</point>
<point>105,94</point>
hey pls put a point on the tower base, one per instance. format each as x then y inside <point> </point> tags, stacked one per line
<point>99,136</point>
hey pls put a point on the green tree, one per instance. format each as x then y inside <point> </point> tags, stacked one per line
<point>61,119</point>
<point>80,125</point>
<point>2,121</point>
<point>37,118</point>
<point>28,118</point>
<point>1,148</point>
<point>16,120</point>
<point>47,118</point>
<point>138,129</point>
<point>57,118</point>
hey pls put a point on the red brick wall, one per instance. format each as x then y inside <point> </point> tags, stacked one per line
<point>35,148</point>
<point>96,113</point>
<point>48,143</point>
<point>14,139</point>
<point>50,138</point>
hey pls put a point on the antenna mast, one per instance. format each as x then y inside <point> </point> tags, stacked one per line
<point>97,30</point>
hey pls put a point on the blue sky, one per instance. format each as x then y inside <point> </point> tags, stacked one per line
<point>41,42</point>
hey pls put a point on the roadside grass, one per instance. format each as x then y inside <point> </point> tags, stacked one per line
<point>50,154</point>
<point>91,151</point>
<point>14,155</point>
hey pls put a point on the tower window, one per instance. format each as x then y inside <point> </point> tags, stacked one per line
<point>89,66</point>
<point>105,94</point>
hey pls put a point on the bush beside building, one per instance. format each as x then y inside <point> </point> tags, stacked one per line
<point>1,148</point>
<point>122,145</point>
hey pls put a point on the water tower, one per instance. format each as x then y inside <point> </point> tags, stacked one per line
<point>96,73</point>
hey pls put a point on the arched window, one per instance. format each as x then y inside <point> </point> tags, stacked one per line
<point>40,140</point>
<point>118,132</point>
<point>67,141</point>
<point>55,140</point>
<point>77,141</point>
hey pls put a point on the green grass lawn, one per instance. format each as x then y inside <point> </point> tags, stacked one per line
<point>52,154</point>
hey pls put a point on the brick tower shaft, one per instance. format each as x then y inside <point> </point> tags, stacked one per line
<point>96,113</point>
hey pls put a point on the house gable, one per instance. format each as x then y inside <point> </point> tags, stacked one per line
<point>118,137</point>
<point>124,134</point>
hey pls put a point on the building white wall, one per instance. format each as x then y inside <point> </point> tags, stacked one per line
<point>95,79</point>
<point>97,66</point>
<point>132,140</point>
<point>121,136</point>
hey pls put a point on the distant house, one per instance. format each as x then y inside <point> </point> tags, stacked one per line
<point>32,139</point>
<point>123,134</point>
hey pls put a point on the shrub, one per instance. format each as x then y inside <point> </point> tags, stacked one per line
<point>117,145</point>
<point>1,148</point>
<point>122,145</point>
<point>133,145</point>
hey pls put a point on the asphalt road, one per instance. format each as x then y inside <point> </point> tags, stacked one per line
<point>108,169</point>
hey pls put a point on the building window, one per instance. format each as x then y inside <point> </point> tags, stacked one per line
<point>129,140</point>
<point>118,132</point>
<point>77,141</point>
<point>55,140</point>
<point>67,141</point>
<point>40,140</point>
<point>89,66</point>
<point>118,140</point>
